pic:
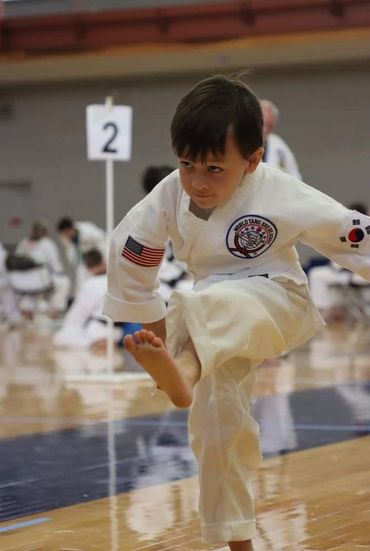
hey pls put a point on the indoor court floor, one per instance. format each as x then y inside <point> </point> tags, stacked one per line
<point>92,463</point>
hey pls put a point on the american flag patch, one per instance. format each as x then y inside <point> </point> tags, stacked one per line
<point>141,254</point>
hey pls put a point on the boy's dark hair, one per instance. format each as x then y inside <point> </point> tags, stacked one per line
<point>92,258</point>
<point>204,116</point>
<point>153,175</point>
<point>65,224</point>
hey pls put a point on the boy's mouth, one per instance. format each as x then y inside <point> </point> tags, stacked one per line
<point>202,196</point>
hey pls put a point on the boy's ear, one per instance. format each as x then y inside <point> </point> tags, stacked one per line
<point>254,160</point>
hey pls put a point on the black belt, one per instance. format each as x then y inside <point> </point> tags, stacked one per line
<point>259,275</point>
<point>105,322</point>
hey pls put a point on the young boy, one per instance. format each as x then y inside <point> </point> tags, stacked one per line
<point>234,221</point>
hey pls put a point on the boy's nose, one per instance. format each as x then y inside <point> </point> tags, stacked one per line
<point>198,183</point>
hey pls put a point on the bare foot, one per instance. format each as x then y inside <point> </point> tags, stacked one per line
<point>150,352</point>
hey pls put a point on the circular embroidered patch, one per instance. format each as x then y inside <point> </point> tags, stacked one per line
<point>250,236</point>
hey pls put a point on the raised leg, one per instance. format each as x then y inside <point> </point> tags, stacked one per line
<point>175,376</point>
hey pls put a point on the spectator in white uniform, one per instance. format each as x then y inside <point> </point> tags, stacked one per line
<point>40,248</point>
<point>78,238</point>
<point>277,152</point>
<point>85,325</point>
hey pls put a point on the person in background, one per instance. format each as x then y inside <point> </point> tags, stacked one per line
<point>77,238</point>
<point>43,251</point>
<point>9,310</point>
<point>153,175</point>
<point>277,153</point>
<point>85,325</point>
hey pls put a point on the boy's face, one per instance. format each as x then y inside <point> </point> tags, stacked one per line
<point>212,183</point>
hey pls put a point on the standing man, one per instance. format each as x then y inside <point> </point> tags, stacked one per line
<point>77,238</point>
<point>39,247</point>
<point>277,152</point>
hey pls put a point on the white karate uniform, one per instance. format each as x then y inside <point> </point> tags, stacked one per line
<point>8,306</point>
<point>90,237</point>
<point>329,285</point>
<point>279,155</point>
<point>84,323</point>
<point>250,302</point>
<point>45,252</point>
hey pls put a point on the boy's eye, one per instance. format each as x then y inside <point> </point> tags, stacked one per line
<point>214,169</point>
<point>186,164</point>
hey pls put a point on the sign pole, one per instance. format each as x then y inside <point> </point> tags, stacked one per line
<point>109,205</point>
<point>109,137</point>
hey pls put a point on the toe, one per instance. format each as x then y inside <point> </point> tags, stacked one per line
<point>157,342</point>
<point>150,336</point>
<point>130,343</point>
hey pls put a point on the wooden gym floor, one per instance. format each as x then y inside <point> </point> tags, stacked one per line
<point>92,463</point>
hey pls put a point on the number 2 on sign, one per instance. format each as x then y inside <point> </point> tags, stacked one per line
<point>114,132</point>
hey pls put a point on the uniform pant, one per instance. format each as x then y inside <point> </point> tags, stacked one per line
<point>60,296</point>
<point>8,304</point>
<point>234,326</point>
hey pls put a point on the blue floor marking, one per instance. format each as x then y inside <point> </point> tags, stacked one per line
<point>24,524</point>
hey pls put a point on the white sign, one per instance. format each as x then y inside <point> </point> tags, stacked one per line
<point>109,131</point>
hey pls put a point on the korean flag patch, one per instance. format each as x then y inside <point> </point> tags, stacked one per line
<point>355,234</point>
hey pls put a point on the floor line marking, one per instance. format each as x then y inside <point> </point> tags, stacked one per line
<point>24,524</point>
<point>18,483</point>
<point>149,422</point>
<point>350,428</point>
<point>128,421</point>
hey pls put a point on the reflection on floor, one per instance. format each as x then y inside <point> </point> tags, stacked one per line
<point>110,462</point>
<point>153,450</point>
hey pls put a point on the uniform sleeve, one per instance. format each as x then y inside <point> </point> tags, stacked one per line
<point>341,234</point>
<point>135,255</point>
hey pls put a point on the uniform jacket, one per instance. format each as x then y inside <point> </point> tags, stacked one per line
<point>254,233</point>
<point>43,251</point>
